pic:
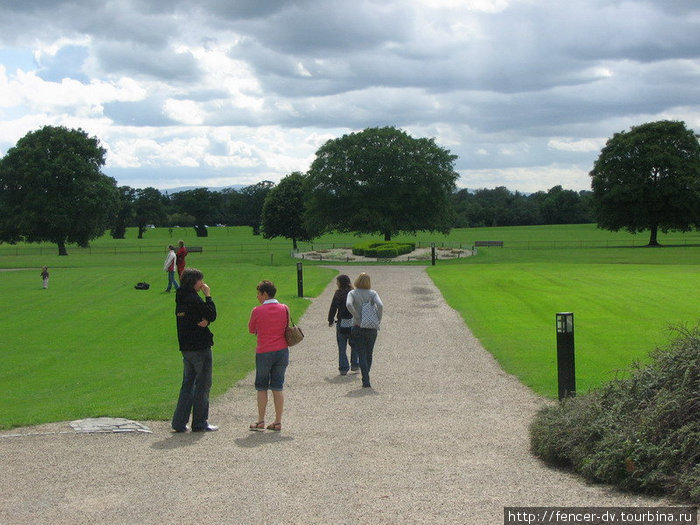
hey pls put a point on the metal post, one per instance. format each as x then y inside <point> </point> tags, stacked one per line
<point>432,252</point>
<point>566,368</point>
<point>300,280</point>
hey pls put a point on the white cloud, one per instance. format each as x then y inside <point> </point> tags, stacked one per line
<point>569,144</point>
<point>184,111</point>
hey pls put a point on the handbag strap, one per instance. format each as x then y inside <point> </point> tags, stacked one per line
<point>289,317</point>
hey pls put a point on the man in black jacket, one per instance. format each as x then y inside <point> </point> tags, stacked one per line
<point>193,317</point>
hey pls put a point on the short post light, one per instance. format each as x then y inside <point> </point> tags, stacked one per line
<point>566,369</point>
<point>300,280</point>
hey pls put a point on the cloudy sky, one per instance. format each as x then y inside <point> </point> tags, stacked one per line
<point>221,92</point>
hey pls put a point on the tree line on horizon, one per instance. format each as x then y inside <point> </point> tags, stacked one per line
<point>202,207</point>
<point>380,181</point>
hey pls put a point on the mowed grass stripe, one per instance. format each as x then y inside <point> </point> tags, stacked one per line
<point>621,312</point>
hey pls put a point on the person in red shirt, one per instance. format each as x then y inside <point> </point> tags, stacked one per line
<point>268,322</point>
<point>180,257</point>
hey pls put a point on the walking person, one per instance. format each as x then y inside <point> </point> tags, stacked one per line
<point>169,266</point>
<point>366,308</point>
<point>180,257</point>
<point>45,277</point>
<point>343,324</point>
<point>194,315</point>
<point>268,322</point>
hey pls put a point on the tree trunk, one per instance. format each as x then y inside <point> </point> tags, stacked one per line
<point>62,248</point>
<point>118,232</point>
<point>653,236</point>
<point>294,244</point>
<point>387,236</point>
<point>141,230</point>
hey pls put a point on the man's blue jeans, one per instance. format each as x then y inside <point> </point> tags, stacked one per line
<point>363,340</point>
<point>194,392</point>
<point>343,339</point>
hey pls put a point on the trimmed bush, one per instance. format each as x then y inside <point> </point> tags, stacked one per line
<point>386,249</point>
<point>640,433</point>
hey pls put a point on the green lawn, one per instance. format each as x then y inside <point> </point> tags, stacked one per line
<point>91,345</point>
<point>621,312</point>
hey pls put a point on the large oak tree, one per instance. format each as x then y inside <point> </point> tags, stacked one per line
<point>52,189</point>
<point>380,181</point>
<point>648,178</point>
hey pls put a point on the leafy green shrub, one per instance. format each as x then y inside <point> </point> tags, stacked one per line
<point>640,433</point>
<point>386,252</point>
<point>384,249</point>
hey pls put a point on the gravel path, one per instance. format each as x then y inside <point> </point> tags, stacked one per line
<point>441,438</point>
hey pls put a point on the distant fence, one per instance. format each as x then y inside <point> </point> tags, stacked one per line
<point>285,246</point>
<point>517,245</point>
<point>29,249</point>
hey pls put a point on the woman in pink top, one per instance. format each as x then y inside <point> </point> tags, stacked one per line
<point>268,322</point>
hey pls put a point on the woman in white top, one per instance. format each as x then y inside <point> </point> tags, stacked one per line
<point>169,266</point>
<point>366,308</point>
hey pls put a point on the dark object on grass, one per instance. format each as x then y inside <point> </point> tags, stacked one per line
<point>142,286</point>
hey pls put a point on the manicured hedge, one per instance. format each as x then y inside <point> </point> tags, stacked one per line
<point>386,249</point>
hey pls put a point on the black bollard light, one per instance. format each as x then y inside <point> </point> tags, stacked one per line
<point>566,369</point>
<point>300,280</point>
<point>432,251</point>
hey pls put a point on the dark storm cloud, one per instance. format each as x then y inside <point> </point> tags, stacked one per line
<point>132,58</point>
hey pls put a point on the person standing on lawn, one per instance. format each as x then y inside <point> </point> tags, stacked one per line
<point>45,277</point>
<point>193,317</point>
<point>180,257</point>
<point>169,266</point>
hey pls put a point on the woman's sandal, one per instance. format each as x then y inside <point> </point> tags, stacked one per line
<point>257,427</point>
<point>275,426</point>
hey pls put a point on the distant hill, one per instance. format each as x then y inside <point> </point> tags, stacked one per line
<point>170,191</point>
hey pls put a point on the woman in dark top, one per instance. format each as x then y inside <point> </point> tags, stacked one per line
<point>343,325</point>
<point>193,316</point>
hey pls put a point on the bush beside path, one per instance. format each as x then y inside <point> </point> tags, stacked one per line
<point>441,438</point>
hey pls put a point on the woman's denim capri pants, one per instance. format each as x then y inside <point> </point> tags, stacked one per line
<point>270,368</point>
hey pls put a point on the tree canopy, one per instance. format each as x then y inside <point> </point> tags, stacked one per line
<point>52,189</point>
<point>125,212</point>
<point>283,210</point>
<point>253,201</point>
<point>648,178</point>
<point>200,203</point>
<point>149,208</point>
<point>380,180</point>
